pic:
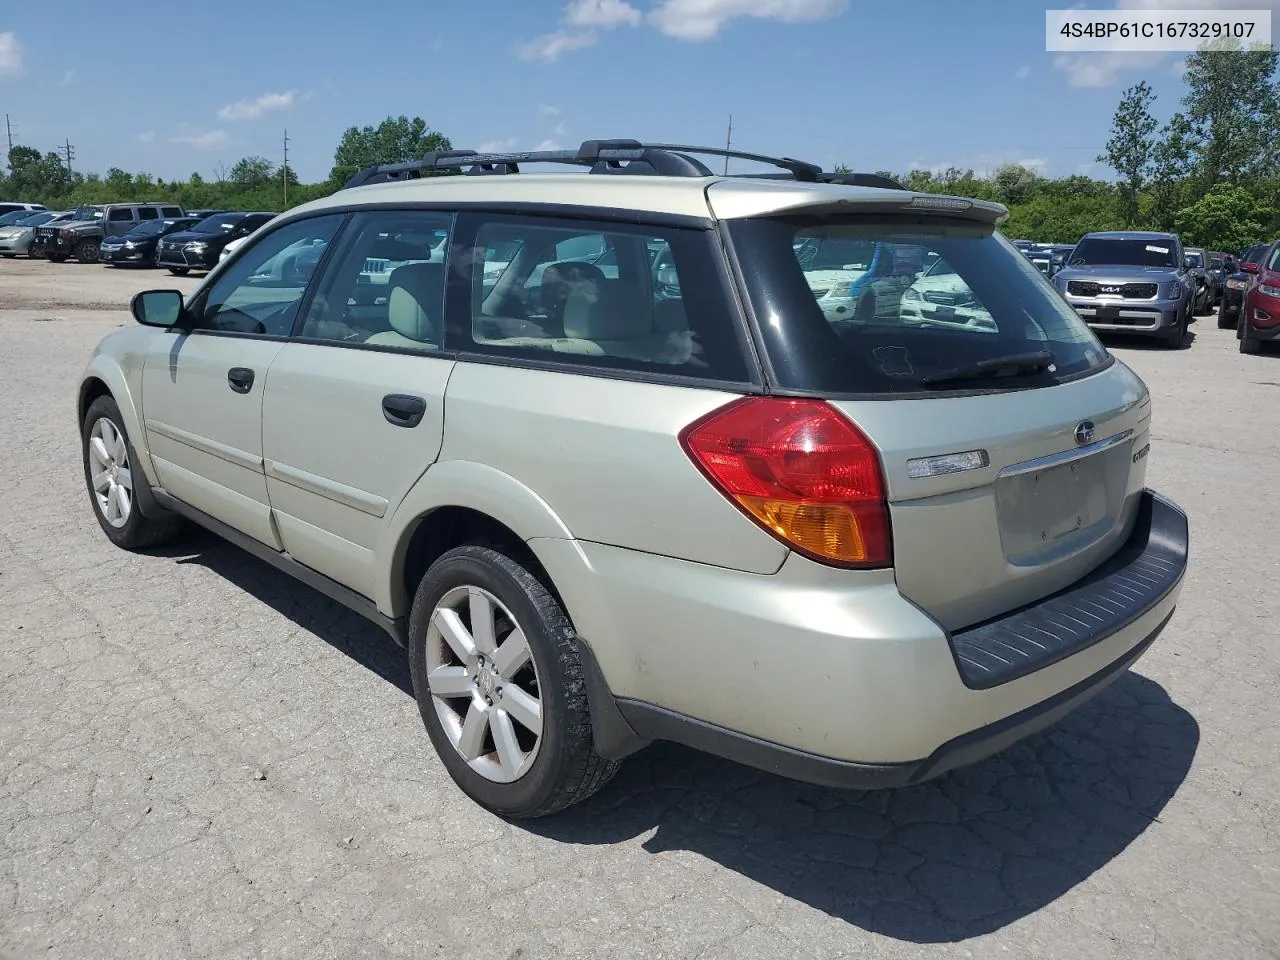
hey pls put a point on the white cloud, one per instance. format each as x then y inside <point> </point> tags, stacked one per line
<point>147,137</point>
<point>201,140</point>
<point>546,110</point>
<point>702,19</point>
<point>1102,69</point>
<point>256,108</point>
<point>68,78</point>
<point>1086,169</point>
<point>550,46</point>
<point>497,146</point>
<point>560,129</point>
<point>548,145</point>
<point>1023,73</point>
<point>12,54</point>
<point>601,13</point>
<point>1038,164</point>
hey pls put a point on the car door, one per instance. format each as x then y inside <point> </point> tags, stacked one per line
<point>202,387</point>
<point>120,220</point>
<point>353,412</point>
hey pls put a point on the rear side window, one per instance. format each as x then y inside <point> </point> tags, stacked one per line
<point>615,295</point>
<point>168,212</point>
<point>905,305</point>
<point>147,213</point>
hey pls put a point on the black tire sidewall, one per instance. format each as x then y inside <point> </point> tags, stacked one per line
<point>542,620</point>
<point>83,248</point>
<point>133,532</point>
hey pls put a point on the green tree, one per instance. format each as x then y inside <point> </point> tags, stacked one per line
<point>1129,149</point>
<point>1226,218</point>
<point>1015,183</point>
<point>251,172</point>
<point>395,140</point>
<point>1232,105</point>
<point>1171,163</point>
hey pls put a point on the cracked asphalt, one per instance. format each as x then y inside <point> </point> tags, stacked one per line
<point>200,758</point>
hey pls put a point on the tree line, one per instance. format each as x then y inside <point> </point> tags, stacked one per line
<point>252,183</point>
<point>1210,173</point>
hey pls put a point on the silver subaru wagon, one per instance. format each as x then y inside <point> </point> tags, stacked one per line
<point>801,469</point>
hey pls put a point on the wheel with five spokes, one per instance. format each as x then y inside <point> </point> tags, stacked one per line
<point>500,685</point>
<point>111,473</point>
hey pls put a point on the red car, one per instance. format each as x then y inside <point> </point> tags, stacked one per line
<point>1260,316</point>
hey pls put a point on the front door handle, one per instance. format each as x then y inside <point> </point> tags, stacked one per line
<point>240,379</point>
<point>402,410</point>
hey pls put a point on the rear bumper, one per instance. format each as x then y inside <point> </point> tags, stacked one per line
<point>814,676</point>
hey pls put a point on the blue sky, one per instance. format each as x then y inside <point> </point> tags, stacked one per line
<point>876,85</point>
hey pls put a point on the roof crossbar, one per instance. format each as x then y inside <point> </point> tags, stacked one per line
<point>607,157</point>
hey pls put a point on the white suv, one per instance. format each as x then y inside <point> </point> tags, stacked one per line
<point>659,492</point>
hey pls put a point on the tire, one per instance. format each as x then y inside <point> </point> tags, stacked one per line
<point>8,256</point>
<point>1175,335</point>
<point>1224,321</point>
<point>57,257</point>
<point>548,771</point>
<point>179,271</point>
<point>86,251</point>
<point>1250,345</point>
<point>122,522</point>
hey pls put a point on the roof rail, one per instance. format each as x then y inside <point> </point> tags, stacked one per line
<point>602,156</point>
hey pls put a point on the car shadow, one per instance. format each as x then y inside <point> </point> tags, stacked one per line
<point>940,862</point>
<point>1132,341</point>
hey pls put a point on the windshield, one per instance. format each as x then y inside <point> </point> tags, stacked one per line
<point>150,227</point>
<point>1111,251</point>
<point>222,223</point>
<point>37,219</point>
<point>15,216</point>
<point>1217,263</point>
<point>902,316</point>
<point>86,213</point>
<point>1255,254</point>
<point>1195,258</point>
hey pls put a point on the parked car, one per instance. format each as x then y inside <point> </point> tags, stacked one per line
<point>1049,258</point>
<point>1204,294</point>
<point>18,230</point>
<point>10,207</point>
<point>204,214</point>
<point>1130,282</point>
<point>140,246</point>
<point>1259,320</point>
<point>81,238</point>
<point>1238,284</point>
<point>199,247</point>
<point>1221,266</point>
<point>597,516</point>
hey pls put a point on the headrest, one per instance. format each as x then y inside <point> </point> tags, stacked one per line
<point>416,301</point>
<point>605,310</point>
<point>559,279</point>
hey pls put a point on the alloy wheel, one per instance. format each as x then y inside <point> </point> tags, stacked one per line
<point>110,473</point>
<point>484,683</point>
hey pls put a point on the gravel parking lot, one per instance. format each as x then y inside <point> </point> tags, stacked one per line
<point>200,758</point>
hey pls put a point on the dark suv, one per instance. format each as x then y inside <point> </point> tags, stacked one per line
<point>81,237</point>
<point>198,248</point>
<point>1238,284</point>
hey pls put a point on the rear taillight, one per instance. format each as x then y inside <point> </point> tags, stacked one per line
<point>802,471</point>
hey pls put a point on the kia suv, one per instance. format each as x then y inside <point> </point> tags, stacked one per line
<point>1131,282</point>
<point>676,499</point>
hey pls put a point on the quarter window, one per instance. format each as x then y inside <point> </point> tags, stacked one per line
<point>642,298</point>
<point>261,291</point>
<point>385,287</point>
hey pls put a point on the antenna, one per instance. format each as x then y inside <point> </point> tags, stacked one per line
<point>284,171</point>
<point>728,143</point>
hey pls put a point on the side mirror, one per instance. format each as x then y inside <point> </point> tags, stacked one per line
<point>157,308</point>
<point>1249,267</point>
<point>1186,263</point>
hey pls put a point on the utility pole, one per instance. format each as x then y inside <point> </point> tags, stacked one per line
<point>284,171</point>
<point>70,153</point>
<point>728,142</point>
<point>8,129</point>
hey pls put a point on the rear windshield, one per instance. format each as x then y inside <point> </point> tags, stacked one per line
<point>1109,251</point>
<point>904,305</point>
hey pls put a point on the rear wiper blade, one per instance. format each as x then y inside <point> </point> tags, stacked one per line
<point>1014,365</point>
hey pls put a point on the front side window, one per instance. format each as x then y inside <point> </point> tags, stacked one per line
<point>638,298</point>
<point>905,305</point>
<point>385,284</point>
<point>261,291</point>
<point>120,215</point>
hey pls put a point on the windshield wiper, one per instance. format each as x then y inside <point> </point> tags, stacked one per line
<point>1014,365</point>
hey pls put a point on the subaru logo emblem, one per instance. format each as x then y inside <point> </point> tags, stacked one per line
<point>1084,432</point>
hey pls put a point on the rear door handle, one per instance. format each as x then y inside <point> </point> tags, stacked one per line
<point>401,410</point>
<point>240,379</point>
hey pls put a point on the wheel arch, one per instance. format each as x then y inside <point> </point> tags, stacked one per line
<point>104,378</point>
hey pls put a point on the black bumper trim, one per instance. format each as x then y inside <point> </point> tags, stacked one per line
<point>656,723</point>
<point>1146,568</point>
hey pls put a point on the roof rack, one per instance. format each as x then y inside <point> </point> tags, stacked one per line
<point>607,157</point>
